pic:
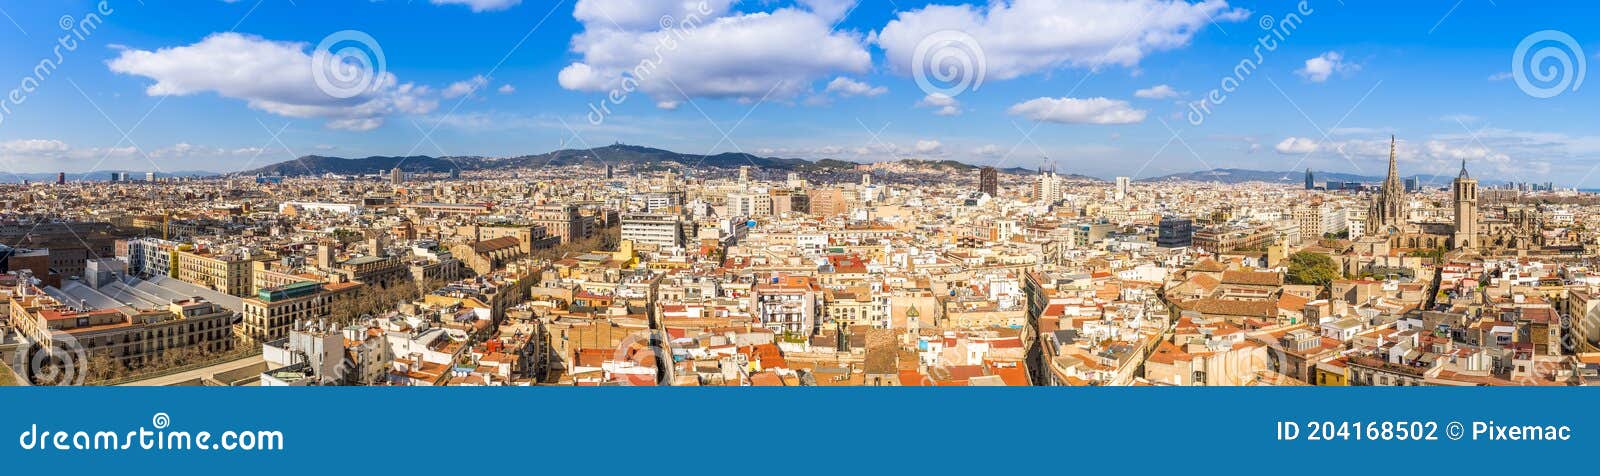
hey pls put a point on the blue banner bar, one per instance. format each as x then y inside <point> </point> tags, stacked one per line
<point>679,431</point>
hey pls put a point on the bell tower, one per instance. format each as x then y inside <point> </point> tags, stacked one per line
<point>1466,208</point>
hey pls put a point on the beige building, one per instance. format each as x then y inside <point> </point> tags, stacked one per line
<point>270,314</point>
<point>229,273</point>
<point>125,334</point>
<point>483,257</point>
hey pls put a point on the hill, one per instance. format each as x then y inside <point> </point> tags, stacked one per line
<point>1236,176</point>
<point>615,155</point>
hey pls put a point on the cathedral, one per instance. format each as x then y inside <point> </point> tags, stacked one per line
<point>1390,218</point>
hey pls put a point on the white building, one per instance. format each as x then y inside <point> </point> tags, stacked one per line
<point>660,229</point>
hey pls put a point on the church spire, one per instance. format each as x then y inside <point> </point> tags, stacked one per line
<point>1388,207</point>
<point>1394,169</point>
<point>1391,184</point>
<point>1464,169</point>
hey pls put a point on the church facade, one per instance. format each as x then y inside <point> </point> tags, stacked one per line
<point>1390,219</point>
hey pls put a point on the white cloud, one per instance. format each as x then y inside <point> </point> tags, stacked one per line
<point>1159,91</point>
<point>464,87</point>
<point>709,50</point>
<point>270,76</point>
<point>480,5</point>
<point>43,155</point>
<point>1318,69</point>
<point>507,89</point>
<point>1440,153</point>
<point>1078,111</point>
<point>942,105</point>
<point>1468,151</point>
<point>1031,36</point>
<point>847,87</point>
<point>928,147</point>
<point>988,150</point>
<point>1296,145</point>
<point>579,76</point>
<point>33,147</point>
<point>1500,76</point>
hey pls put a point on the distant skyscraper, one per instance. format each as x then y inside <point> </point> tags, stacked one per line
<point>149,176</point>
<point>1122,187</point>
<point>397,176</point>
<point>989,181</point>
<point>61,178</point>
<point>1412,186</point>
<point>609,172</point>
<point>744,174</point>
<point>1311,180</point>
<point>455,174</point>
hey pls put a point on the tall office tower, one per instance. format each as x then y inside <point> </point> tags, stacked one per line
<point>1122,187</point>
<point>61,178</point>
<point>989,181</point>
<point>396,176</point>
<point>1310,180</point>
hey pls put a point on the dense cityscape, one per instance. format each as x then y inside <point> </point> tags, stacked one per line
<point>899,273</point>
<point>584,236</point>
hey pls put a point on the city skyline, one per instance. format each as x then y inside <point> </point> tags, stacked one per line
<point>245,234</point>
<point>507,78</point>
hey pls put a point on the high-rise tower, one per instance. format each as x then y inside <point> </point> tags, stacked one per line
<point>989,181</point>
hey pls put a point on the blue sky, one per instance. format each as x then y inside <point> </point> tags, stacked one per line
<point>222,86</point>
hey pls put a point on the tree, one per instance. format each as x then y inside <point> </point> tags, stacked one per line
<point>1312,268</point>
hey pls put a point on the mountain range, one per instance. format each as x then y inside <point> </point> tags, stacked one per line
<point>1236,176</point>
<point>648,158</point>
<point>615,155</point>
